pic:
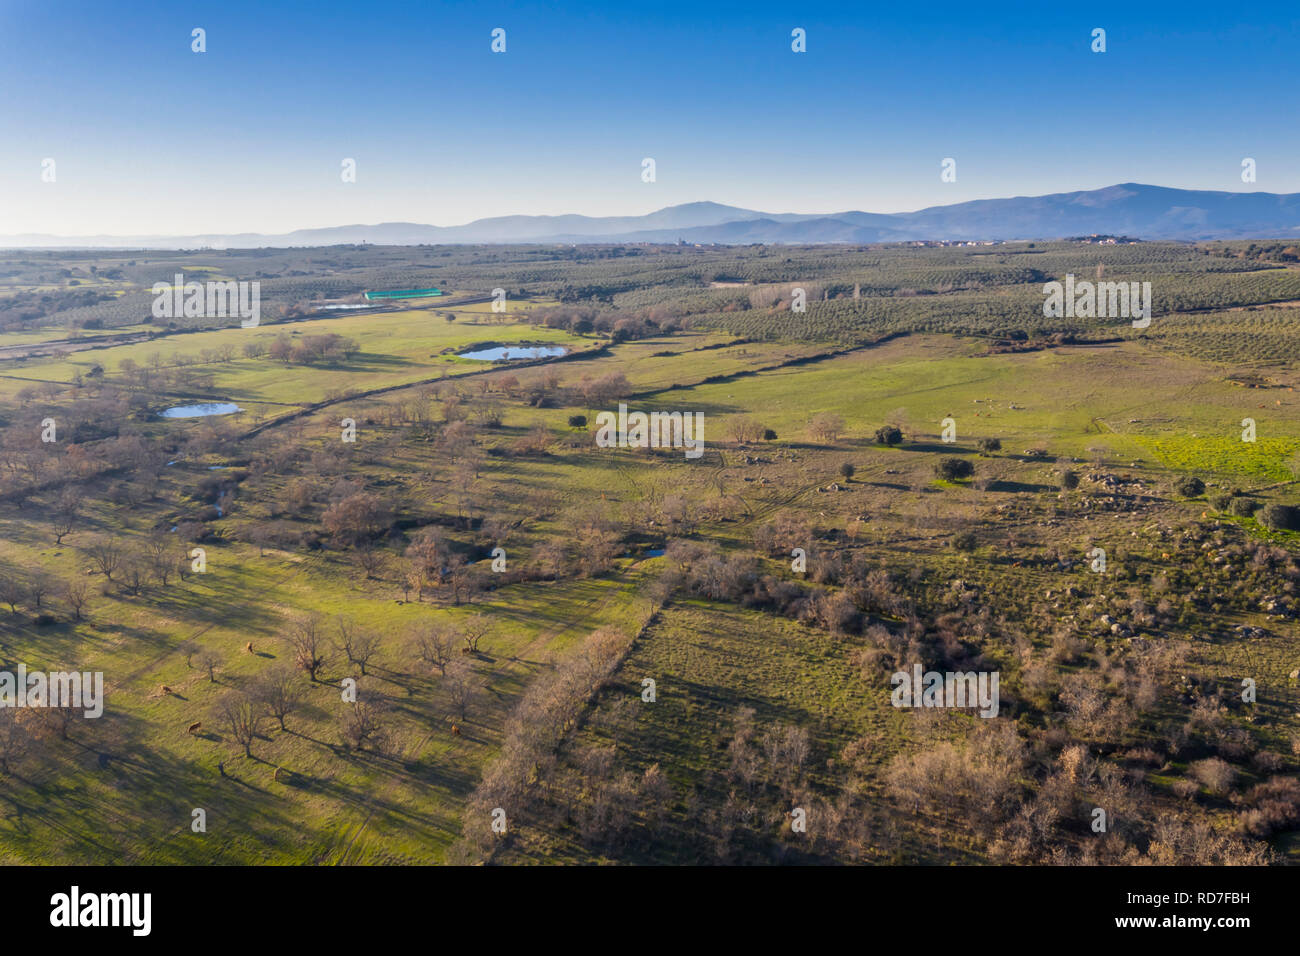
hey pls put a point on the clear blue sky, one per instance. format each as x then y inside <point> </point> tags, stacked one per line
<point>149,137</point>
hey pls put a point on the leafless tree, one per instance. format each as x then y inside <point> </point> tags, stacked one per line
<point>370,560</point>
<point>358,644</point>
<point>136,573</point>
<point>77,596</point>
<point>210,661</point>
<point>364,725</point>
<point>787,750</point>
<point>160,557</point>
<point>308,644</point>
<point>106,555</point>
<point>14,738</point>
<point>462,689</point>
<point>826,426</point>
<point>39,587</point>
<point>239,713</point>
<point>67,512</point>
<point>12,590</point>
<point>280,693</point>
<point>473,630</point>
<point>434,646</point>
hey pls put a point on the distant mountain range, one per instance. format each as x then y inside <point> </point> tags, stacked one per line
<point>1129,209</point>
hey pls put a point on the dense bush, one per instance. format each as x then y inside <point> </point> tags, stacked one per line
<point>954,469</point>
<point>1277,517</point>
<point>965,541</point>
<point>1243,507</point>
<point>888,435</point>
<point>1189,486</point>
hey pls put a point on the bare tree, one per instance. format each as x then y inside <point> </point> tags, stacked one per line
<point>462,690</point>
<point>826,426</point>
<point>308,645</point>
<point>434,646</point>
<point>363,724</point>
<point>14,738</point>
<point>743,429</point>
<point>12,591</point>
<point>106,554</point>
<point>39,588</point>
<point>67,512</point>
<point>280,693</point>
<point>189,649</point>
<point>474,629</point>
<point>136,573</point>
<point>160,557</point>
<point>238,712</point>
<point>370,560</point>
<point>77,596</point>
<point>358,644</point>
<point>787,749</point>
<point>210,661</point>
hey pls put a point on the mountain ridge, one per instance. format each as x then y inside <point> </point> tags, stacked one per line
<point>1130,209</point>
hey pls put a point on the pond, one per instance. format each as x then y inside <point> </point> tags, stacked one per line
<point>201,410</point>
<point>498,353</point>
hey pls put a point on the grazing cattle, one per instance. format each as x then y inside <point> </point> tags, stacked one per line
<point>166,689</point>
<point>195,727</point>
<point>249,647</point>
<point>455,729</point>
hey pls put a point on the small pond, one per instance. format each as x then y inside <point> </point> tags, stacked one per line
<point>201,410</point>
<point>499,353</point>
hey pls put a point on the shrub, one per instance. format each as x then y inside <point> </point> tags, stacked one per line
<point>1277,517</point>
<point>1189,486</point>
<point>965,541</point>
<point>847,469</point>
<point>954,469</point>
<point>1069,480</point>
<point>769,435</point>
<point>1274,806</point>
<point>1243,507</point>
<point>577,421</point>
<point>1222,502</point>
<point>1215,774</point>
<point>888,435</point>
<point>989,445</point>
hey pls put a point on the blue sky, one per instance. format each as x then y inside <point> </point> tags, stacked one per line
<point>149,137</point>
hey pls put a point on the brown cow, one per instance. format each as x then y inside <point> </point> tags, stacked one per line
<point>195,727</point>
<point>455,729</point>
<point>249,647</point>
